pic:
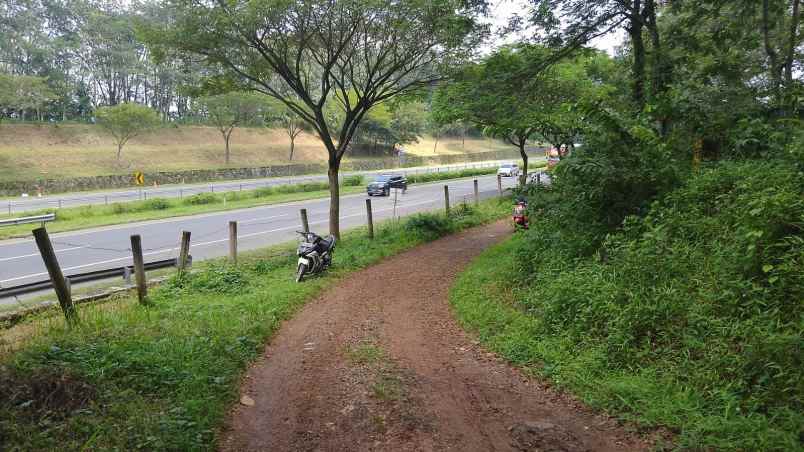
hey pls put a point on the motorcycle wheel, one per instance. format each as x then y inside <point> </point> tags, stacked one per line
<point>300,272</point>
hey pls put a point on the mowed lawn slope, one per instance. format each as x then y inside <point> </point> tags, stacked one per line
<point>33,151</point>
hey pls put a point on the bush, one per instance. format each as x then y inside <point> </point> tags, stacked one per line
<point>201,199</point>
<point>428,226</point>
<point>156,204</point>
<point>352,181</point>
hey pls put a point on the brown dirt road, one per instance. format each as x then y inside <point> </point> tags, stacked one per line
<point>378,363</point>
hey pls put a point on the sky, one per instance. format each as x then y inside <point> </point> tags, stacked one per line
<point>501,10</point>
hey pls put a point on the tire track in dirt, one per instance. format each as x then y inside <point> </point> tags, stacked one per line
<point>378,363</point>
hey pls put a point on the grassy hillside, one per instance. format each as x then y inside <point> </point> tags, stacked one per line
<point>30,151</point>
<point>689,316</point>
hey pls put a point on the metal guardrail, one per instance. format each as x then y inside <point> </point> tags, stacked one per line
<point>124,272</point>
<point>48,202</point>
<point>26,220</point>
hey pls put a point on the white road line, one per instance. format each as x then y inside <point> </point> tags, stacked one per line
<point>37,254</point>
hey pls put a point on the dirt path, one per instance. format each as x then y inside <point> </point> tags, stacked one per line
<point>378,363</point>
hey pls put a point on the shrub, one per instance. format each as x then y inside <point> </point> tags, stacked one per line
<point>201,199</point>
<point>352,181</point>
<point>119,208</point>
<point>156,204</point>
<point>428,225</point>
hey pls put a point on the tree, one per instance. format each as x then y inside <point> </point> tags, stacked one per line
<point>23,93</point>
<point>510,96</point>
<point>568,25</point>
<point>309,53</point>
<point>227,111</point>
<point>126,121</point>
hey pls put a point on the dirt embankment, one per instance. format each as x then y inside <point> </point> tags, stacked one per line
<point>378,363</point>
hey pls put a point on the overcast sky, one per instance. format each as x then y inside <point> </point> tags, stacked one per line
<point>501,10</point>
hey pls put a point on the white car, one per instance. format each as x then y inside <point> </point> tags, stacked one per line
<point>508,170</point>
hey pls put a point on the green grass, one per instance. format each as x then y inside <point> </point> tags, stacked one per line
<point>75,218</point>
<point>163,377</point>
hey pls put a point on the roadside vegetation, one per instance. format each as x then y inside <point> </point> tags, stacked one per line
<point>74,218</point>
<point>163,377</point>
<point>689,316</point>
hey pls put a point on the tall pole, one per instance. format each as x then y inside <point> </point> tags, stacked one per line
<point>477,193</point>
<point>499,184</point>
<point>56,276</point>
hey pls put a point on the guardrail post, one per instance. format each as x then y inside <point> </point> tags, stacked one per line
<point>538,177</point>
<point>369,219</point>
<point>127,275</point>
<point>106,200</point>
<point>233,241</point>
<point>59,203</point>
<point>56,276</point>
<point>499,184</point>
<point>139,269</point>
<point>446,199</point>
<point>184,251</point>
<point>477,193</point>
<point>305,224</point>
<point>181,193</point>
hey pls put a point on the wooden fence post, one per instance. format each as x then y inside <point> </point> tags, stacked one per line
<point>499,184</point>
<point>446,199</point>
<point>184,251</point>
<point>233,241</point>
<point>305,224</point>
<point>139,268</point>
<point>477,193</point>
<point>56,276</point>
<point>370,219</point>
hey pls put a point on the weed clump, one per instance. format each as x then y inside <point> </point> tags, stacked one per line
<point>201,199</point>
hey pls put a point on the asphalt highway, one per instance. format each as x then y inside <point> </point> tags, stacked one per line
<point>108,247</point>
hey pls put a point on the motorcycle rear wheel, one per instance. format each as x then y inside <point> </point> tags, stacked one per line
<point>300,272</point>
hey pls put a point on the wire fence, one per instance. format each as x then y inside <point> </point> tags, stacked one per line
<point>31,204</point>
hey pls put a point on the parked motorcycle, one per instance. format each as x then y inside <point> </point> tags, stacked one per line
<point>520,214</point>
<point>315,254</point>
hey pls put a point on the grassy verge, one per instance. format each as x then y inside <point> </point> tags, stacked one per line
<point>75,218</point>
<point>162,377</point>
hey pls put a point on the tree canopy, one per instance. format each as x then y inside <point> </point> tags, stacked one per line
<point>126,121</point>
<point>357,53</point>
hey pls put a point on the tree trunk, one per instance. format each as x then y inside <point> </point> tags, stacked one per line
<point>638,69</point>
<point>435,146</point>
<point>334,200</point>
<point>773,59</point>
<point>795,19</point>
<point>226,137</point>
<point>524,156</point>
<point>292,146</point>
<point>119,150</point>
